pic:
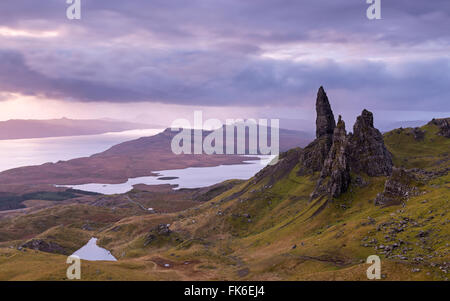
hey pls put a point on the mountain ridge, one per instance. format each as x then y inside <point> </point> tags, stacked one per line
<point>63,127</point>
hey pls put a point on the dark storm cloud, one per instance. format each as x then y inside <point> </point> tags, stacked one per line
<point>210,52</point>
<point>16,76</point>
<point>404,21</point>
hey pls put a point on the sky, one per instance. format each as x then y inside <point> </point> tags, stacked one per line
<point>153,61</point>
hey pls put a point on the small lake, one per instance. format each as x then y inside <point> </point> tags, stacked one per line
<point>92,252</point>
<point>36,151</point>
<point>192,177</point>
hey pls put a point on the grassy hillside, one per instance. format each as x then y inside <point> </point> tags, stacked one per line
<point>268,229</point>
<point>430,152</point>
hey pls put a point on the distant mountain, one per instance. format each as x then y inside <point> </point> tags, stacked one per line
<point>132,159</point>
<point>22,129</point>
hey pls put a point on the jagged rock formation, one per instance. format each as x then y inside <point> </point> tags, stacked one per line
<point>335,175</point>
<point>336,154</point>
<point>325,122</point>
<point>367,151</point>
<point>444,126</point>
<point>398,187</point>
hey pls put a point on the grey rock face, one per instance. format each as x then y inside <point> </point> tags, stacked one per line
<point>335,175</point>
<point>367,151</point>
<point>325,122</point>
<point>314,155</point>
<point>337,165</point>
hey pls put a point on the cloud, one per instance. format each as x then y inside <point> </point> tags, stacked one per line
<point>17,77</point>
<point>237,81</point>
<point>264,21</point>
<point>229,52</point>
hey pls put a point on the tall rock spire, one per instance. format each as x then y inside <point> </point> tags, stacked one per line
<point>325,122</point>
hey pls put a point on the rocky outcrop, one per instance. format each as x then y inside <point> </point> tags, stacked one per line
<point>444,126</point>
<point>335,175</point>
<point>367,152</point>
<point>397,188</point>
<point>314,155</point>
<point>336,155</point>
<point>325,122</point>
<point>159,231</point>
<point>44,246</point>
